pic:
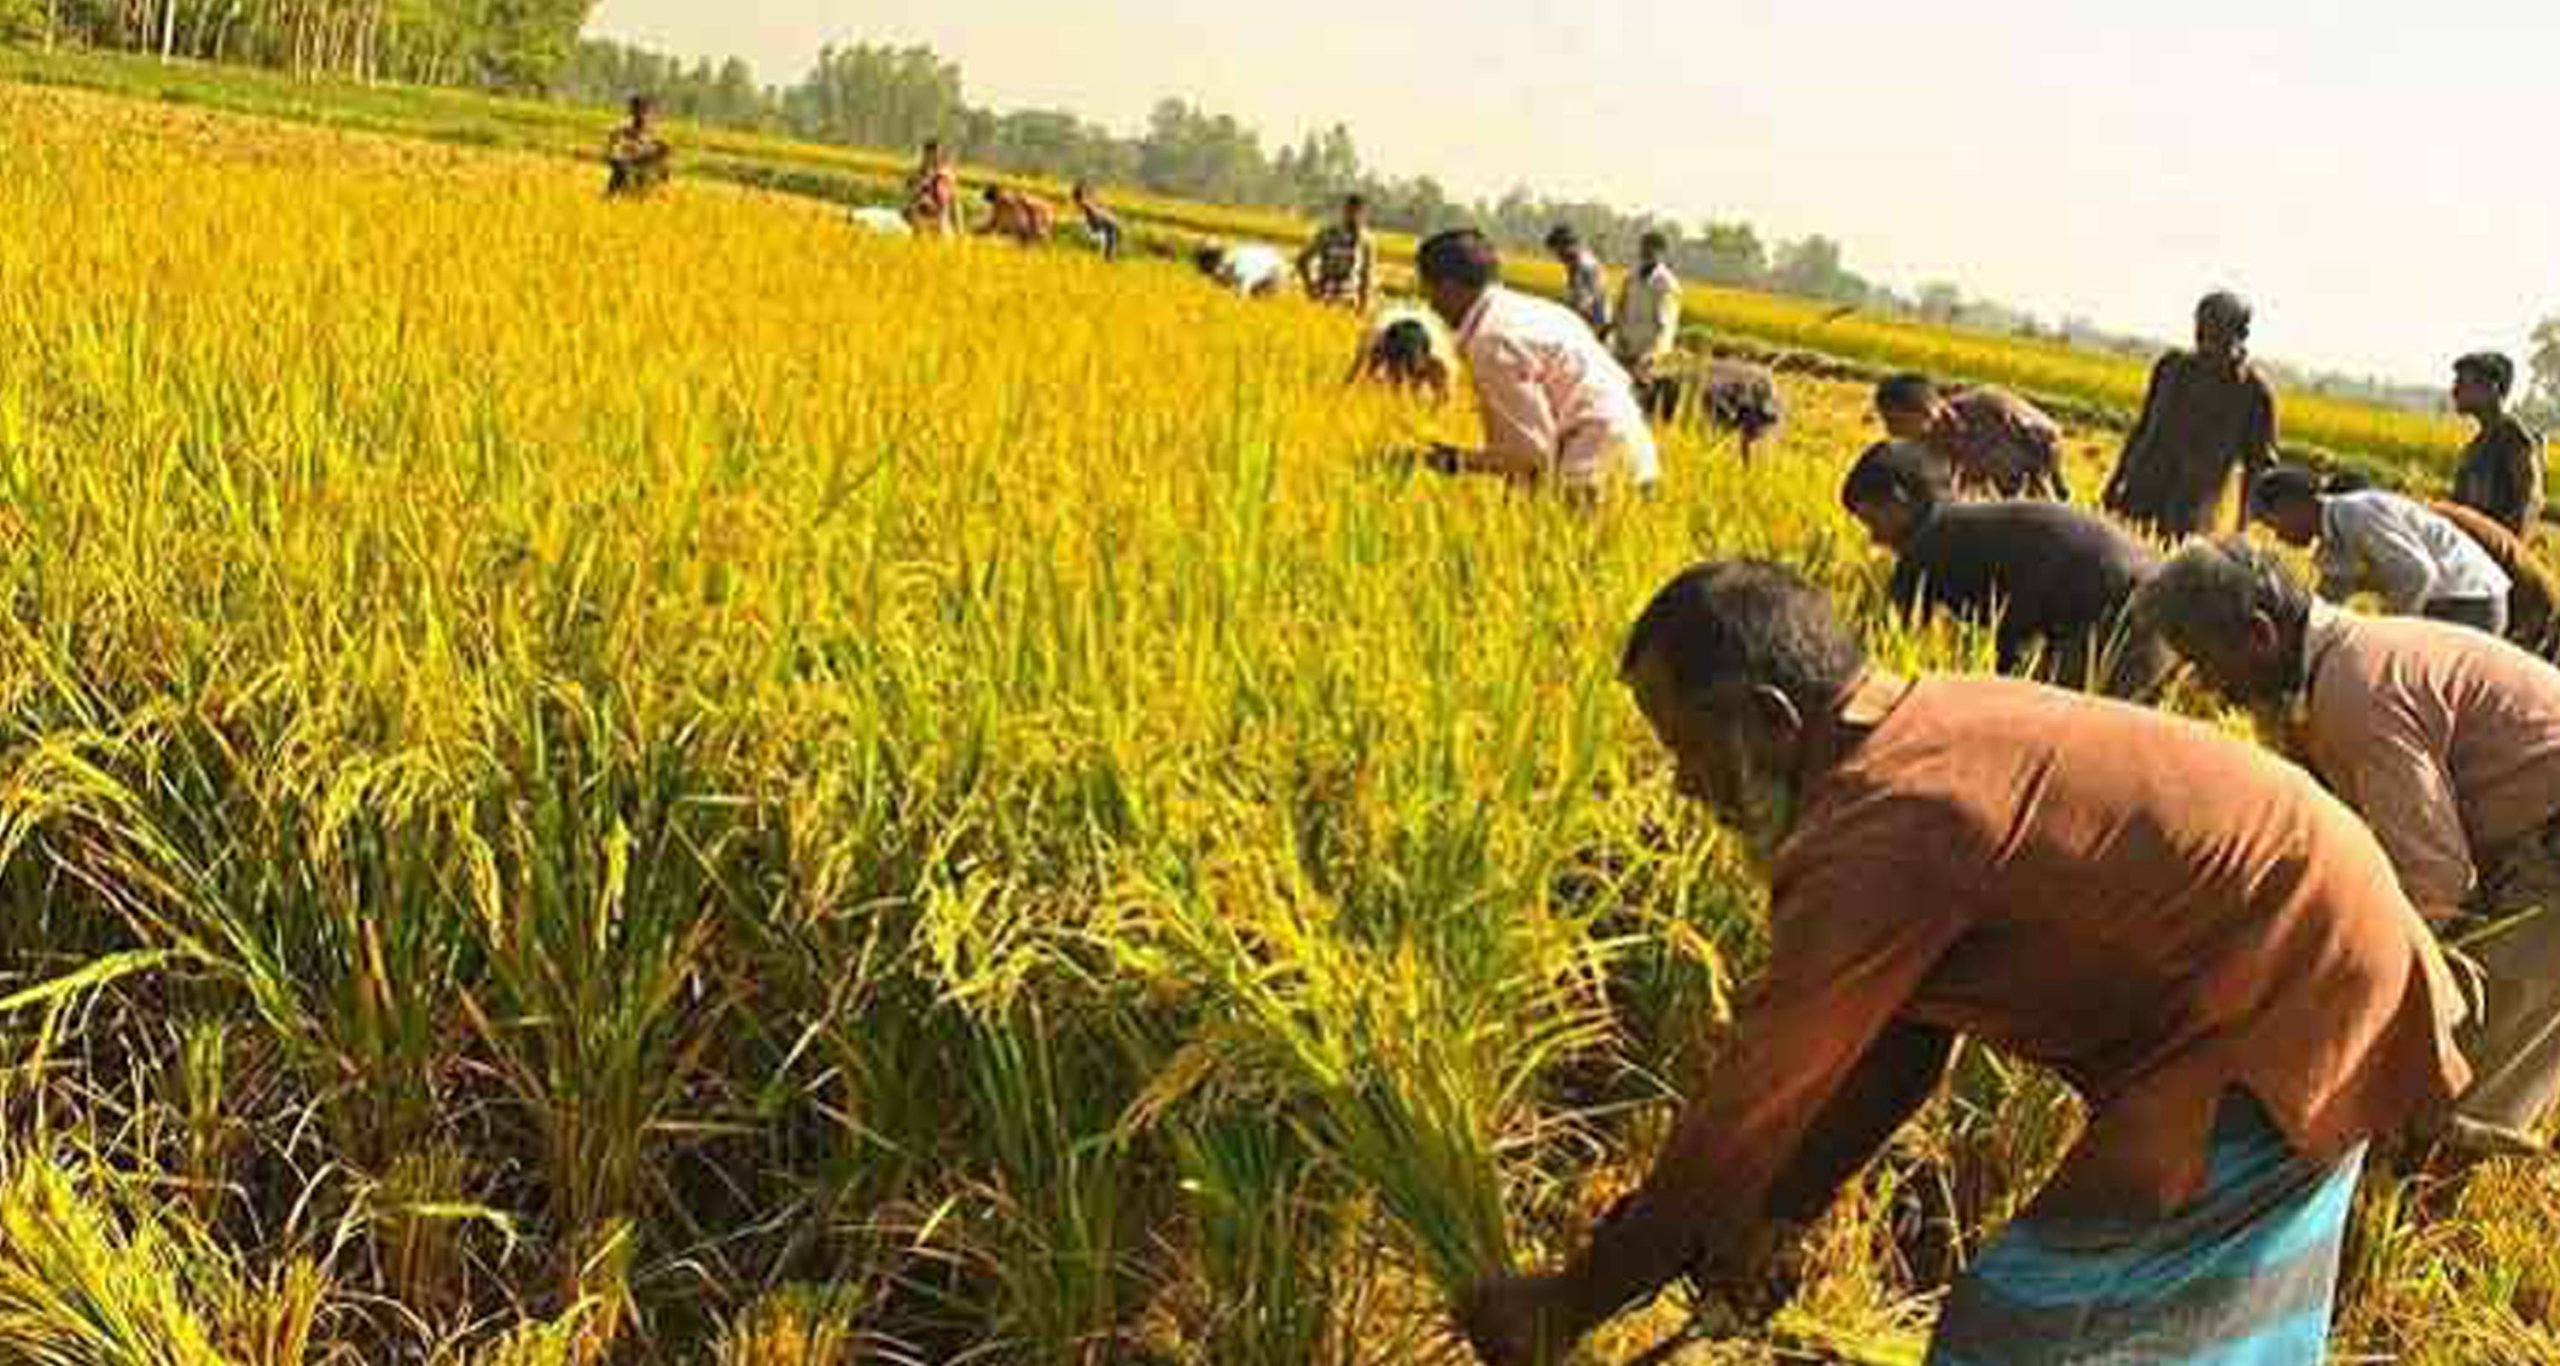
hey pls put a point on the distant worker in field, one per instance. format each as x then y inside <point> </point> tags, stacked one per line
<point>1404,353</point>
<point>1648,327</point>
<point>2051,579</point>
<point>880,222</point>
<point>1103,224</point>
<point>638,160</point>
<point>2533,597</point>
<point>2208,410</point>
<point>933,194</point>
<point>1586,284</point>
<point>1016,216</point>
<point>1993,441</point>
<point>2501,471</point>
<point>1340,265</point>
<point>2210,949</point>
<point>1252,269</point>
<point>2448,743</point>
<point>2375,542</point>
<point>1557,407</point>
<point>1741,398</point>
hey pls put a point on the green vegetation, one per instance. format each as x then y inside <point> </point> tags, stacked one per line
<point>597,783</point>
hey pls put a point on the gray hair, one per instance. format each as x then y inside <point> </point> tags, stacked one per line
<point>2212,589</point>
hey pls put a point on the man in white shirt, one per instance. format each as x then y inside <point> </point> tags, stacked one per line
<point>2369,541</point>
<point>1556,404</point>
<point>1252,269</point>
<point>1648,326</point>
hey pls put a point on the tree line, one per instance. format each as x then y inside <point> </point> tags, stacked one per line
<point>520,46</point>
<point>879,95</point>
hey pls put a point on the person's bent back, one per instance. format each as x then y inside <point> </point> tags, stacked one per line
<point>1557,406</point>
<point>2054,579</point>
<point>2208,947</point>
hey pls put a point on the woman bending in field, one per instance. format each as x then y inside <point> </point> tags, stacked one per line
<point>1404,355</point>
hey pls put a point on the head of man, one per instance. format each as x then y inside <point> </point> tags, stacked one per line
<point>2481,383</point>
<point>1210,260</point>
<point>644,110</point>
<point>2222,326</point>
<point>1653,248</point>
<point>2236,613</point>
<point>1909,405</point>
<point>1736,664</point>
<point>2289,499</point>
<point>1355,212</point>
<point>1894,489</point>
<point>1563,242</point>
<point>1456,268</point>
<point>1404,349</point>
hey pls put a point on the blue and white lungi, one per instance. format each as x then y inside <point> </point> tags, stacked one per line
<point>2246,1275</point>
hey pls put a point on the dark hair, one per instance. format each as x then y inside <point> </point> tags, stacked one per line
<point>1897,472</point>
<point>2300,483</point>
<point>1460,256</point>
<point>933,144</point>
<point>1405,342</point>
<point>1655,241</point>
<point>1906,393</point>
<point>1749,619</point>
<point>1355,201</point>
<point>2213,588</point>
<point>2226,308</point>
<point>1209,258</point>
<point>1562,236</point>
<point>2489,368</point>
<point>995,194</point>
<point>644,102</point>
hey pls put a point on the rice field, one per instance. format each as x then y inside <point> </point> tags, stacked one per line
<point>592,783</point>
<point>2414,450</point>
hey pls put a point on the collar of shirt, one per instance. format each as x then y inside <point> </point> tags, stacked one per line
<point>1474,321</point>
<point>1870,702</point>
<point>2322,632</point>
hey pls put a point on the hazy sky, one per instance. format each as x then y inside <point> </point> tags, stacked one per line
<point>2379,177</point>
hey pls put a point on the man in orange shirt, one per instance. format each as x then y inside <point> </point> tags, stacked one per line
<point>2447,741</point>
<point>2209,948</point>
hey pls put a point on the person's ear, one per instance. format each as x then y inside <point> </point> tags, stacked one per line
<point>1777,718</point>
<point>2265,638</point>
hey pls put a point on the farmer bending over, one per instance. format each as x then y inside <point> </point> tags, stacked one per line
<point>1742,398</point>
<point>2376,542</point>
<point>2448,743</point>
<point>1251,269</point>
<point>2054,578</point>
<point>1556,404</point>
<point>2210,949</point>
<point>1992,440</point>
<point>2533,599</point>
<point>1404,355</point>
<point>1013,214</point>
